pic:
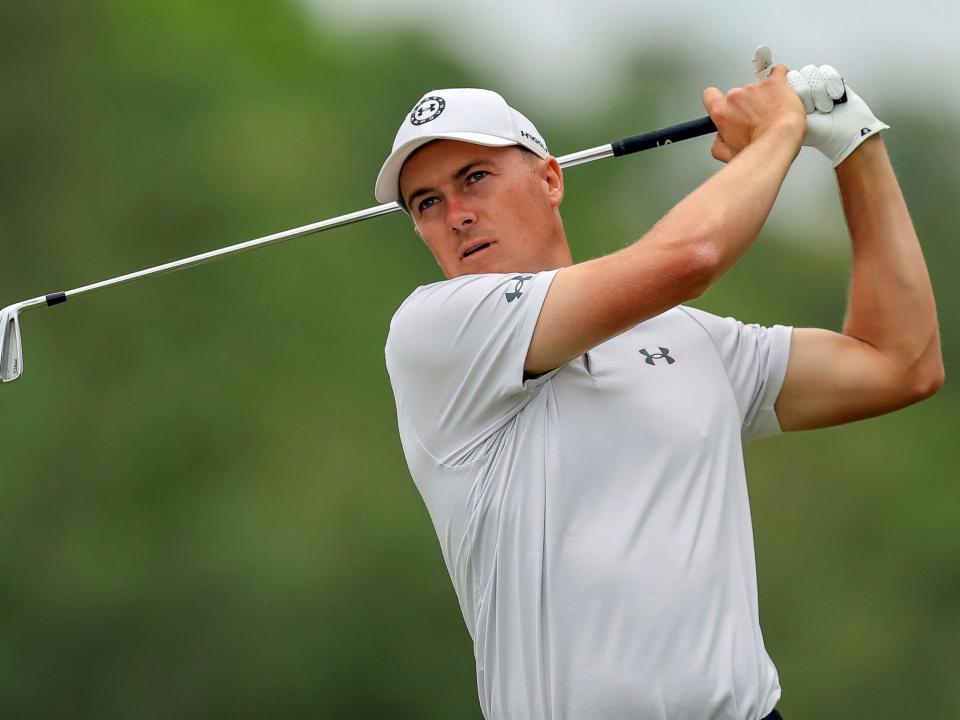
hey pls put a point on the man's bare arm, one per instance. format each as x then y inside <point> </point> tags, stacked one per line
<point>691,246</point>
<point>888,355</point>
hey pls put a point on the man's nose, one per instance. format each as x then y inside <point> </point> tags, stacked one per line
<point>460,213</point>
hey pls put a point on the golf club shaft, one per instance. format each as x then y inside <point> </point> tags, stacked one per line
<point>656,138</point>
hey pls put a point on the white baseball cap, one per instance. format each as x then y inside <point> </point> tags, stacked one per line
<point>466,114</point>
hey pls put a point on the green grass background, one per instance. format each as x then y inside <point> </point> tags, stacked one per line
<point>204,507</point>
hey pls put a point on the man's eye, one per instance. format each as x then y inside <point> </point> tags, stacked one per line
<point>481,173</point>
<point>426,203</point>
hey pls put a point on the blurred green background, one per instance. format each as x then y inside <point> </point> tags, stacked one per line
<point>204,507</point>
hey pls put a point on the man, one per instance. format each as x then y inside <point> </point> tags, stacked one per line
<point>576,432</point>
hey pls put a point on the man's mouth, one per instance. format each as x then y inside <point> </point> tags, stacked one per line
<point>473,249</point>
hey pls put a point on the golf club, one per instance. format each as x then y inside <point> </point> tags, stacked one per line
<point>11,348</point>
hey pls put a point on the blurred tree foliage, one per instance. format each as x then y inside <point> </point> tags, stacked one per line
<point>204,507</point>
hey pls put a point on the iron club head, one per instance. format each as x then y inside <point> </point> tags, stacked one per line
<point>11,352</point>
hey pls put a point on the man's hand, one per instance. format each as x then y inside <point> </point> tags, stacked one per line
<point>745,114</point>
<point>834,130</point>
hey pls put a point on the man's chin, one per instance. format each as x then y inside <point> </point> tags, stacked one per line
<point>480,262</point>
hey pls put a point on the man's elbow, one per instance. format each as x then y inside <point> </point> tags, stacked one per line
<point>924,379</point>
<point>703,261</point>
<point>928,384</point>
<point>924,375</point>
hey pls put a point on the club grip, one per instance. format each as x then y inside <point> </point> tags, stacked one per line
<point>663,136</point>
<point>672,134</point>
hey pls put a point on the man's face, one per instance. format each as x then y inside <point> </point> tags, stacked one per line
<point>498,202</point>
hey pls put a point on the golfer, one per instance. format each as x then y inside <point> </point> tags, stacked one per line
<point>576,431</point>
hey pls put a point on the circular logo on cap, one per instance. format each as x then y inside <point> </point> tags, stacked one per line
<point>427,109</point>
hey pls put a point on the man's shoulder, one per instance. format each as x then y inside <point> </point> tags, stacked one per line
<point>686,323</point>
<point>696,314</point>
<point>434,306</point>
<point>726,324</point>
<point>677,316</point>
<point>430,290</point>
<point>462,316</point>
<point>451,295</point>
<point>710,323</point>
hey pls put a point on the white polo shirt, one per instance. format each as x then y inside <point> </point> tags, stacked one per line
<point>594,520</point>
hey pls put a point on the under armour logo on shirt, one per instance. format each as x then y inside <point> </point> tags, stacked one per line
<point>511,296</point>
<point>651,359</point>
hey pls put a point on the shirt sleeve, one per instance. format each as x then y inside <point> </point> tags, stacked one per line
<point>755,359</point>
<point>455,355</point>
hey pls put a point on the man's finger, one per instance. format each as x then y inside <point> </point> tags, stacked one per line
<point>720,150</point>
<point>778,71</point>
<point>802,88</point>
<point>711,96</point>
<point>818,88</point>
<point>833,80</point>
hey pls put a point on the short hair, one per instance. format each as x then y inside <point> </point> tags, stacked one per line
<point>529,155</point>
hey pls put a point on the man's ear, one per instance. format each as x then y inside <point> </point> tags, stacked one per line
<point>552,174</point>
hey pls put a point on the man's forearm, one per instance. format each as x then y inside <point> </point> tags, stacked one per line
<point>726,213</point>
<point>891,303</point>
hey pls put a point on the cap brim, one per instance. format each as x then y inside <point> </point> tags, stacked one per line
<point>387,188</point>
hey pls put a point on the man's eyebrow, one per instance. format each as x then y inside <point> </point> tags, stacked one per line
<point>456,176</point>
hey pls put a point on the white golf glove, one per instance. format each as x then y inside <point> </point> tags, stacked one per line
<point>836,130</point>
